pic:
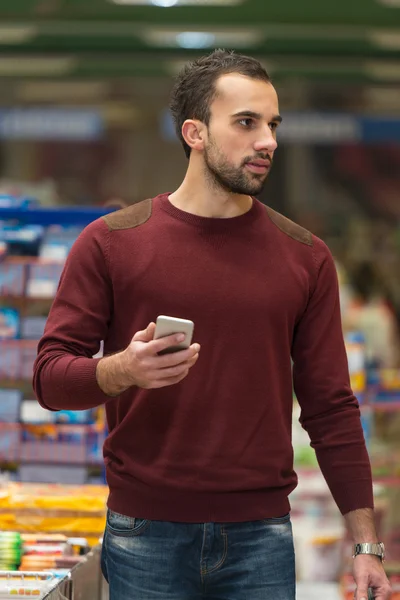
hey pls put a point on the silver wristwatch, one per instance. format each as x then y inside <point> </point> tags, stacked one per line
<point>377,549</point>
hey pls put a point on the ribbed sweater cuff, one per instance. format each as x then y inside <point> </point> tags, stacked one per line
<point>353,495</point>
<point>79,389</point>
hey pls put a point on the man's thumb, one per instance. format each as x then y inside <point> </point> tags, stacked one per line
<point>146,335</point>
<point>362,593</point>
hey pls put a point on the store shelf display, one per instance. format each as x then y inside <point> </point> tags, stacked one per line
<point>75,511</point>
<point>36,444</point>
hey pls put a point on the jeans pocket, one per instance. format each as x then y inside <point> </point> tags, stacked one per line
<point>277,520</point>
<point>124,526</point>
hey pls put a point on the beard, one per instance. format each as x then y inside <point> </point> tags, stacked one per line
<point>236,180</point>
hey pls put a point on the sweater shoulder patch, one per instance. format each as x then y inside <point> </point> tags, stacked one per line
<point>291,229</point>
<point>129,217</point>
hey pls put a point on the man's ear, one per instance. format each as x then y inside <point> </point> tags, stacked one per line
<point>193,132</point>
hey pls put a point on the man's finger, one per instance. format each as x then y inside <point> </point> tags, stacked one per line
<point>146,335</point>
<point>167,382</point>
<point>384,593</point>
<point>175,358</point>
<point>362,589</point>
<point>163,343</point>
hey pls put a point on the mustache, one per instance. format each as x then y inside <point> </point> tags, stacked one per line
<point>259,156</point>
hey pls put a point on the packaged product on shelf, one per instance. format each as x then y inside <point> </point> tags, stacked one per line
<point>385,462</point>
<point>32,328</point>
<point>9,324</point>
<point>54,473</point>
<point>58,241</point>
<point>75,511</point>
<point>33,413</point>
<point>53,552</point>
<point>22,240</point>
<point>326,558</point>
<point>11,550</point>
<point>10,360</point>
<point>61,443</point>
<point>367,421</point>
<point>82,417</point>
<point>43,279</point>
<point>304,454</point>
<point>387,387</point>
<point>28,352</point>
<point>395,583</point>
<point>355,349</point>
<point>12,277</point>
<point>9,443</point>
<point>10,405</point>
<point>391,525</point>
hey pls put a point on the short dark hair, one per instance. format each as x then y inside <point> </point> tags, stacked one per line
<point>195,86</point>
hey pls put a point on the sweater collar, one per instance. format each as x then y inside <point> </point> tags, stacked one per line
<point>210,223</point>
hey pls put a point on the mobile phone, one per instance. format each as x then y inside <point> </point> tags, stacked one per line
<point>170,325</point>
<point>370,594</point>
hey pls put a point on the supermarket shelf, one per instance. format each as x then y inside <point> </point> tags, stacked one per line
<point>22,300</point>
<point>386,406</point>
<point>64,215</point>
<point>52,444</point>
<point>92,465</point>
<point>23,384</point>
<point>31,260</point>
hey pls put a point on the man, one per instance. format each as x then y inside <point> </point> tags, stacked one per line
<point>199,457</point>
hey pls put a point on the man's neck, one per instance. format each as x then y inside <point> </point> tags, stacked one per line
<point>196,198</point>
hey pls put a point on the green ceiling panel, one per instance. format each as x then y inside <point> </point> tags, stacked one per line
<point>340,12</point>
<point>270,47</point>
<point>351,12</point>
<point>107,39</point>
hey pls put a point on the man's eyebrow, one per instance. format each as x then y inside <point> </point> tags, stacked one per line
<point>255,115</point>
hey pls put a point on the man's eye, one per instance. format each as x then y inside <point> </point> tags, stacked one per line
<point>273,126</point>
<point>246,122</point>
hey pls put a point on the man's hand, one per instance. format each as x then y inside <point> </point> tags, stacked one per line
<point>149,370</point>
<point>142,366</point>
<point>368,572</point>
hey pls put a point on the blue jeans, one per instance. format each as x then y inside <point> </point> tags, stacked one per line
<point>158,560</point>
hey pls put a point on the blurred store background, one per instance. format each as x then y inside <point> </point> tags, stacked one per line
<point>84,127</point>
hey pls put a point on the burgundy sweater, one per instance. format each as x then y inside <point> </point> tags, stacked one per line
<point>262,293</point>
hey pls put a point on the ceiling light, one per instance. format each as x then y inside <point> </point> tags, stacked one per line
<point>195,39</point>
<point>391,3</point>
<point>383,70</point>
<point>17,34</point>
<point>231,38</point>
<point>387,40</point>
<point>164,3</point>
<point>17,66</point>
<point>168,3</point>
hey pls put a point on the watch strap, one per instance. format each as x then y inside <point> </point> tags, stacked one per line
<point>377,549</point>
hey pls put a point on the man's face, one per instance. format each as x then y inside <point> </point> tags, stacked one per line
<point>241,136</point>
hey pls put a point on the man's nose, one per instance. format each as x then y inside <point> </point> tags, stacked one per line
<point>267,141</point>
